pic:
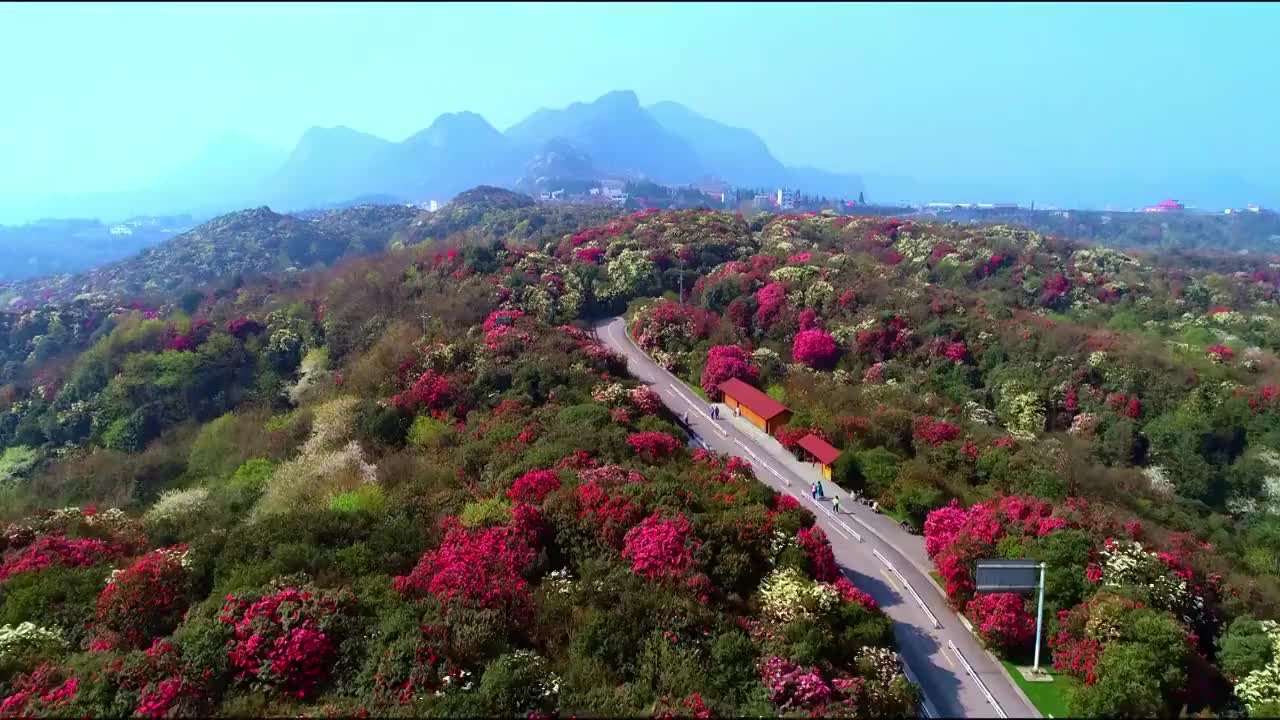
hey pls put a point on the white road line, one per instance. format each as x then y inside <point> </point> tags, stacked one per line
<point>981,685</point>
<point>919,601</point>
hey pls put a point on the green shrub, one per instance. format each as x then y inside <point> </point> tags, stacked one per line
<point>251,477</point>
<point>366,498</point>
<point>489,512</point>
<point>428,432</point>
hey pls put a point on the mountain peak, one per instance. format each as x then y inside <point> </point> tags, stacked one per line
<point>618,100</point>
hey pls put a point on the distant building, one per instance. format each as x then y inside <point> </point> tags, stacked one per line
<point>785,199</point>
<point>761,201</point>
<point>1165,206</point>
<point>121,230</point>
<point>434,205</point>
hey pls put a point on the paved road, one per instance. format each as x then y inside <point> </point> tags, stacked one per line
<point>877,555</point>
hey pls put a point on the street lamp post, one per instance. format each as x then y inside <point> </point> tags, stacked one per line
<point>1035,668</point>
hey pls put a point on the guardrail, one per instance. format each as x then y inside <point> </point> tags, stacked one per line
<point>919,600</point>
<point>974,676</point>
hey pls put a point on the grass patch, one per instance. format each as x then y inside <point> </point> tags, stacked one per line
<point>1050,698</point>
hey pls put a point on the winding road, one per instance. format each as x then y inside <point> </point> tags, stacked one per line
<point>957,676</point>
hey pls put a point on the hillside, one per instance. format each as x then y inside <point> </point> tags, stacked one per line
<point>217,252</point>
<point>429,438</point>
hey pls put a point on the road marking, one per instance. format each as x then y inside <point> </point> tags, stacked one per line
<point>947,656</point>
<point>889,577</point>
<point>981,685</point>
<point>919,601</point>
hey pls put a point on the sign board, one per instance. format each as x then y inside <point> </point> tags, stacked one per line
<point>1008,575</point>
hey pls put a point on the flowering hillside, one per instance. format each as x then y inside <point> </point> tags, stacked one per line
<point>416,482</point>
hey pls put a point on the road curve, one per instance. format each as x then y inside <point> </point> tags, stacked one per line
<point>957,676</point>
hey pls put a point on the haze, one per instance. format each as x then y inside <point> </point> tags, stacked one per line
<point>1074,103</point>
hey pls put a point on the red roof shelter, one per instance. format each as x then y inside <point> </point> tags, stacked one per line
<point>821,450</point>
<point>763,411</point>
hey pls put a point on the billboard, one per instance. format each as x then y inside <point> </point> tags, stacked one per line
<point>1008,575</point>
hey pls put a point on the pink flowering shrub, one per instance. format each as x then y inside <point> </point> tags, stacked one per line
<point>956,352</point>
<point>660,547</point>
<point>822,562</point>
<point>285,640</point>
<point>723,363</point>
<point>476,568</point>
<point>49,550</point>
<point>801,257</point>
<point>815,348</point>
<point>942,526</point>
<point>147,599</point>
<point>534,485</point>
<point>431,391</point>
<point>653,446</point>
<point>792,686</point>
<point>1001,619</point>
<point>769,302</point>
<point>45,690</point>
<point>645,400</point>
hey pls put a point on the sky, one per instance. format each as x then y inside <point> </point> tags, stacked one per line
<point>110,96</point>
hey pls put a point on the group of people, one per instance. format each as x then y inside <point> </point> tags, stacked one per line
<point>815,489</point>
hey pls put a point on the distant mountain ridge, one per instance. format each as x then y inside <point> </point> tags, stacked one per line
<point>613,136</point>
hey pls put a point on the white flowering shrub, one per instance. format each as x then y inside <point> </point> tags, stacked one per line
<point>787,594</point>
<point>174,506</point>
<point>332,424</point>
<point>1262,686</point>
<point>628,273</point>
<point>1020,410</point>
<point>793,273</point>
<point>28,639</point>
<point>611,394</point>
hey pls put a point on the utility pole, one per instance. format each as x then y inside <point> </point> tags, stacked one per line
<point>1035,668</point>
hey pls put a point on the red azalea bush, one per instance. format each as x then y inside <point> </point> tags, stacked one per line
<point>49,550</point>
<point>592,255</point>
<point>934,432</point>
<point>243,327</point>
<point>815,348</point>
<point>147,599</point>
<point>285,640</point>
<point>476,568</point>
<point>609,516</point>
<point>883,342</point>
<point>1221,353</point>
<point>431,391</point>
<point>851,594</point>
<point>653,446</point>
<point>499,318</point>
<point>956,352</point>
<point>660,547</point>
<point>822,562</point>
<point>1001,619</point>
<point>533,486</point>
<point>723,363</point>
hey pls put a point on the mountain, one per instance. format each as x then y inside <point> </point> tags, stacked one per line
<point>459,151</point>
<point>620,137</point>
<point>556,162</point>
<point>327,165</point>
<point>739,155</point>
<point>735,154</point>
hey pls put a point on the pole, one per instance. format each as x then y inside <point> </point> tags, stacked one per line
<point>1035,670</point>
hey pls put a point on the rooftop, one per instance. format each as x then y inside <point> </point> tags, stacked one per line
<point>819,448</point>
<point>751,398</point>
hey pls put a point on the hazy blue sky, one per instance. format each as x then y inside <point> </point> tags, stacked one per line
<point>109,96</point>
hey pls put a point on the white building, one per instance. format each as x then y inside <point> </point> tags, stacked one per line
<point>785,199</point>
<point>121,230</point>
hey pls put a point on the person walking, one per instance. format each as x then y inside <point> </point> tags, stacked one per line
<point>835,504</point>
<point>813,490</point>
<point>820,493</point>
